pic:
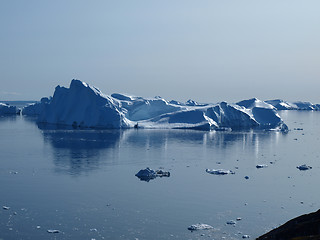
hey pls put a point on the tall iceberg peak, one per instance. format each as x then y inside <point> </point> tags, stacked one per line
<point>83,105</point>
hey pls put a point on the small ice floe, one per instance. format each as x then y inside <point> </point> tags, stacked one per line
<point>231,222</point>
<point>93,230</point>
<point>219,171</point>
<point>304,167</point>
<point>199,226</point>
<point>5,207</point>
<point>161,173</point>
<point>53,231</point>
<point>38,227</point>
<point>261,166</point>
<point>245,236</point>
<point>149,174</point>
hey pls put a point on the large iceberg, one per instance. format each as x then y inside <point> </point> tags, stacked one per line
<point>6,109</point>
<point>82,105</point>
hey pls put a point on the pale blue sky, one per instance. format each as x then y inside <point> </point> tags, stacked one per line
<point>205,50</point>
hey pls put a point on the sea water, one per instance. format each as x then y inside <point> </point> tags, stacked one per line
<point>83,184</point>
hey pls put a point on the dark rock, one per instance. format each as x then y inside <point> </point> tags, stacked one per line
<point>304,227</point>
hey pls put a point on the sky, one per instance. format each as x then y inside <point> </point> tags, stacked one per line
<point>207,50</point>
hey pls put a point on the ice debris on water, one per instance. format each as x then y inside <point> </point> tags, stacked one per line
<point>149,174</point>
<point>199,226</point>
<point>5,207</point>
<point>53,231</point>
<point>304,167</point>
<point>219,171</point>
<point>261,166</point>
<point>231,222</point>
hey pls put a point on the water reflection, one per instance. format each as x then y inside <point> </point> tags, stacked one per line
<point>8,118</point>
<point>78,151</point>
<point>221,140</point>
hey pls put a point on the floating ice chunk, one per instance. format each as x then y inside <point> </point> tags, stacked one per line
<point>161,173</point>
<point>53,231</point>
<point>5,207</point>
<point>261,166</point>
<point>93,230</point>
<point>148,174</point>
<point>231,222</point>
<point>199,226</point>
<point>219,171</point>
<point>304,167</point>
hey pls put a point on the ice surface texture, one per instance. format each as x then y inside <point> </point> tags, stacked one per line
<point>82,105</point>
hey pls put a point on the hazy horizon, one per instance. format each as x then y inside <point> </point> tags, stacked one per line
<point>208,51</point>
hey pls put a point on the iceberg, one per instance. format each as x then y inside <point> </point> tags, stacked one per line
<point>298,105</point>
<point>6,109</point>
<point>85,106</point>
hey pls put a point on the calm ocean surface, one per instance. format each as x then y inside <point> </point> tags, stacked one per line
<point>82,182</point>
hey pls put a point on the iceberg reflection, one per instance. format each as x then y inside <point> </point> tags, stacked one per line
<point>76,151</point>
